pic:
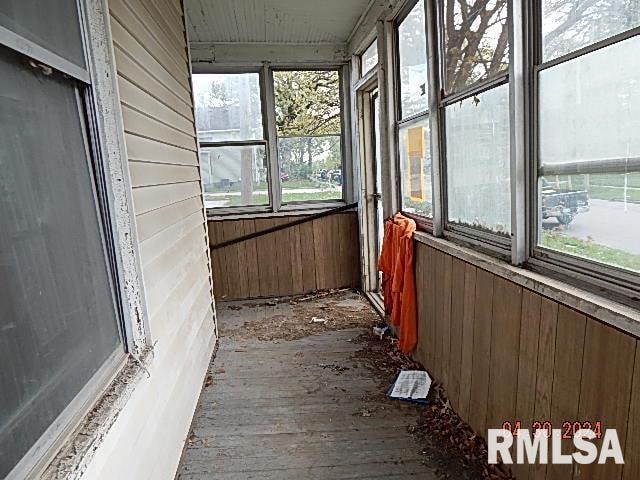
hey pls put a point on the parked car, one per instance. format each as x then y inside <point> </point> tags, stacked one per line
<point>563,204</point>
<point>284,177</point>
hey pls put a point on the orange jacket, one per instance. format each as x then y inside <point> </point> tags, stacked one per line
<point>398,278</point>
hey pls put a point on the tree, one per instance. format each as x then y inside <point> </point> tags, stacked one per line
<point>307,117</point>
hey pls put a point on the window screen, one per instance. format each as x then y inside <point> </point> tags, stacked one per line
<point>309,127</point>
<point>58,323</point>
<point>52,24</point>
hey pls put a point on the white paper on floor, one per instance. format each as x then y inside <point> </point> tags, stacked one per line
<point>411,385</point>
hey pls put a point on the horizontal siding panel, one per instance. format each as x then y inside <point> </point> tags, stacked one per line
<point>182,251</point>
<point>133,96</point>
<point>159,244</point>
<point>150,224</point>
<point>139,124</point>
<point>146,150</point>
<point>168,23</point>
<point>142,57</point>
<point>146,199</point>
<point>145,174</point>
<point>140,31</point>
<point>129,69</point>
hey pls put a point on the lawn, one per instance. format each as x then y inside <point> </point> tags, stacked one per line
<point>591,250</point>
<point>263,199</point>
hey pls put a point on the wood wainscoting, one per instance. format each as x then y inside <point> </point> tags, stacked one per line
<point>505,353</point>
<point>316,255</point>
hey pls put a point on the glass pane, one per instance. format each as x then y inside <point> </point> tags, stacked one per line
<point>52,24</point>
<point>589,106</point>
<point>476,41</point>
<point>234,176</point>
<point>593,216</point>
<point>369,58</point>
<point>228,107</point>
<point>568,25</point>
<point>57,314</point>
<point>308,120</point>
<point>415,164</point>
<point>478,165</point>
<point>310,168</point>
<point>412,58</point>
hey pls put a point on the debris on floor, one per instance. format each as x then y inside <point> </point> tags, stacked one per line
<point>381,330</point>
<point>293,318</point>
<point>411,385</point>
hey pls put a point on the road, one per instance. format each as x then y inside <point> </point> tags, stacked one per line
<point>607,223</point>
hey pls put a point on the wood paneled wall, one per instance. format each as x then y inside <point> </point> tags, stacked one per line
<point>316,255</point>
<point>503,353</point>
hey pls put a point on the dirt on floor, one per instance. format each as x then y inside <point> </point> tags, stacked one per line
<point>298,317</point>
<point>444,439</point>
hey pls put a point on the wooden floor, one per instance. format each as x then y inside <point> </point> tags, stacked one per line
<point>296,405</point>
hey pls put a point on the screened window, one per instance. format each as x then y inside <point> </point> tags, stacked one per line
<point>412,63</point>
<point>369,59</point>
<point>58,314</point>
<point>569,25</point>
<point>589,153</point>
<point>415,167</point>
<point>309,131</point>
<point>231,134</point>
<point>478,169</point>
<point>476,41</point>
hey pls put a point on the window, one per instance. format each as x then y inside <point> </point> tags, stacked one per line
<point>231,135</point>
<point>414,139</point>
<point>478,162</point>
<point>589,148</point>
<point>572,24</point>
<point>412,63</point>
<point>475,114</point>
<point>58,313</point>
<point>476,42</point>
<point>241,153</point>
<point>309,131</point>
<point>369,59</point>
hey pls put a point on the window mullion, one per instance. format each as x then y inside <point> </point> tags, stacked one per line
<point>275,193</point>
<point>435,117</point>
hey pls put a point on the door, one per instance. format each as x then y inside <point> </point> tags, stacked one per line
<point>377,184</point>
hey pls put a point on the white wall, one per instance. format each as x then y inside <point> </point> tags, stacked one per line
<point>153,70</point>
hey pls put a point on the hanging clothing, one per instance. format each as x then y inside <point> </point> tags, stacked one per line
<point>398,279</point>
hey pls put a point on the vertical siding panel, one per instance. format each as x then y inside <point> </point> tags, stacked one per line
<point>243,267</point>
<point>631,469</point>
<point>308,257</point>
<point>605,391</point>
<point>320,242</point>
<point>566,379</point>
<point>430,308</point>
<point>215,236</point>
<point>333,257</point>
<point>466,365</point>
<point>438,284</point>
<point>296,260</point>
<point>446,319</point>
<point>253,266</point>
<point>420,302</point>
<point>527,367</point>
<point>505,340</point>
<point>457,314</point>
<point>282,239</point>
<point>481,351</point>
<point>544,380</point>
<point>266,255</point>
<point>231,260</point>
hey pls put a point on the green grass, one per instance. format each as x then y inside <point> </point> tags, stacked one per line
<point>608,193</point>
<point>263,199</point>
<point>591,250</point>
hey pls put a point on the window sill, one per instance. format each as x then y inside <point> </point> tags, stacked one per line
<point>597,306</point>
<point>77,451</point>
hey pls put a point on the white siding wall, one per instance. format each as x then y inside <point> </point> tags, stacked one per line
<point>153,78</point>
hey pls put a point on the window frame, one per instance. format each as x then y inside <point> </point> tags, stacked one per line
<point>361,72</point>
<point>268,102</point>
<point>423,222</point>
<point>495,243</point>
<point>265,141</point>
<point>85,82</point>
<point>602,275</point>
